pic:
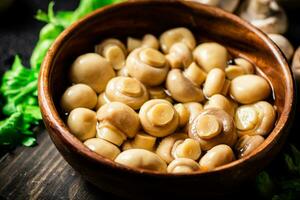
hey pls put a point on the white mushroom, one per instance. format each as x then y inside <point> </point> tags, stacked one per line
<point>255,119</point>
<point>103,148</point>
<point>181,88</point>
<point>195,74</point>
<point>114,51</point>
<point>120,116</point>
<point>183,165</point>
<point>140,141</point>
<point>158,117</point>
<point>82,123</point>
<point>142,159</point>
<point>228,5</point>
<point>266,15</point>
<point>211,55</point>
<point>214,82</point>
<point>216,157</point>
<point>284,45</point>
<point>187,112</point>
<point>93,70</point>
<point>212,127</point>
<point>79,95</point>
<point>180,55</point>
<point>148,40</point>
<point>159,93</point>
<point>175,35</point>
<point>247,144</point>
<point>245,93</point>
<point>240,67</point>
<point>296,65</point>
<point>148,65</point>
<point>127,90</point>
<point>222,102</point>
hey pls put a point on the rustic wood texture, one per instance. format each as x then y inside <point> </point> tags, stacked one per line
<point>42,173</point>
<point>138,18</point>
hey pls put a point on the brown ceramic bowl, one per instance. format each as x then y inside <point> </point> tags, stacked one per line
<point>135,19</point>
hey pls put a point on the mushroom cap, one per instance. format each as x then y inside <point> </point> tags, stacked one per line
<point>164,149</point>
<point>214,82</point>
<point>284,45</point>
<point>79,95</point>
<point>211,55</point>
<point>245,93</point>
<point>82,123</point>
<point>221,129</point>
<point>121,116</point>
<point>247,144</point>
<point>103,148</point>
<point>180,55</point>
<point>127,90</point>
<point>143,159</point>
<point>217,156</point>
<point>93,70</point>
<point>182,89</point>
<point>147,65</point>
<point>108,42</point>
<point>158,117</point>
<point>175,35</point>
<point>222,102</point>
<point>183,165</point>
<point>255,119</point>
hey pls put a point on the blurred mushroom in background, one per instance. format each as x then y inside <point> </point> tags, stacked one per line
<point>228,5</point>
<point>284,44</point>
<point>296,65</point>
<point>266,15</point>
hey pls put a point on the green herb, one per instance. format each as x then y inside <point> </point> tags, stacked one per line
<point>285,185</point>
<point>19,105</point>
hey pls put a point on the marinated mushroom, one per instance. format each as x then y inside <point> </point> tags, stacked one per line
<point>255,119</point>
<point>165,147</point>
<point>92,70</point>
<point>108,132</point>
<point>82,123</point>
<point>181,88</point>
<point>159,93</point>
<point>141,141</point>
<point>296,65</point>
<point>187,112</point>
<point>142,159</point>
<point>240,67</point>
<point>121,116</point>
<point>101,100</point>
<point>103,148</point>
<point>183,165</point>
<point>228,5</point>
<point>195,74</point>
<point>266,15</point>
<point>128,91</point>
<point>217,156</point>
<point>284,45</point>
<point>211,55</point>
<point>148,40</point>
<point>79,95</point>
<point>214,82</point>
<point>212,127</point>
<point>114,51</point>
<point>180,55</point>
<point>175,35</point>
<point>147,65</point>
<point>247,144</point>
<point>158,117</point>
<point>245,93</point>
<point>221,102</point>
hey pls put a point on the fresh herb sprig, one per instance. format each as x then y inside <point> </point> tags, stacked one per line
<point>19,105</point>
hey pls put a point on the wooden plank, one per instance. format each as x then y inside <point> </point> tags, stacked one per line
<point>42,173</point>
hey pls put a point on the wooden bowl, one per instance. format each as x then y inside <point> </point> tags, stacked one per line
<point>135,19</point>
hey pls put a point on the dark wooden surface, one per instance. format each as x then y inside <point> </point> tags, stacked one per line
<point>40,172</point>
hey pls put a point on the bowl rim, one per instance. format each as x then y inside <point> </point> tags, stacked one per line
<point>53,119</point>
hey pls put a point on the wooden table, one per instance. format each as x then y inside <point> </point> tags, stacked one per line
<point>41,172</point>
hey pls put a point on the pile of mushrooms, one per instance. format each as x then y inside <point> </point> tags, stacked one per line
<point>167,104</point>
